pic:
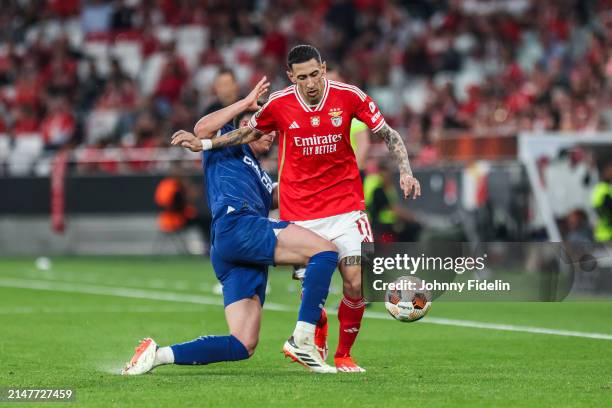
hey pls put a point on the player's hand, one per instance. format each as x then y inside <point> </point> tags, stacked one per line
<point>409,185</point>
<point>187,140</point>
<point>260,89</point>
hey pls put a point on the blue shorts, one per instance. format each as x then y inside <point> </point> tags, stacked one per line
<point>243,244</point>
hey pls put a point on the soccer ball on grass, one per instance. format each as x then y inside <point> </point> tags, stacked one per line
<point>406,301</point>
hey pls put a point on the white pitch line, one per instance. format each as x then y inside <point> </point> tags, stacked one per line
<point>206,300</point>
<point>125,292</point>
<point>28,310</point>
<point>503,327</point>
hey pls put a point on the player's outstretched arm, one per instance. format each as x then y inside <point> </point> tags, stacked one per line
<point>208,126</point>
<point>239,136</point>
<point>396,147</point>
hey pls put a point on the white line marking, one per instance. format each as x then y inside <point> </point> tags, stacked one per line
<point>75,277</point>
<point>119,291</point>
<point>504,327</point>
<point>104,309</point>
<point>206,300</point>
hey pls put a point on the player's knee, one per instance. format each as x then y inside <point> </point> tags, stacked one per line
<point>352,287</point>
<point>317,246</point>
<point>249,342</point>
<point>250,346</point>
<point>323,245</point>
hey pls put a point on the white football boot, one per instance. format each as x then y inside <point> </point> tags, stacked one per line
<point>143,359</point>
<point>308,356</point>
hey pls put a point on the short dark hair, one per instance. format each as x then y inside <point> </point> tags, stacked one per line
<point>302,53</point>
<point>225,70</point>
<point>241,116</point>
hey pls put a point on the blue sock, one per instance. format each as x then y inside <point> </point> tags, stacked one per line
<point>209,349</point>
<point>315,287</point>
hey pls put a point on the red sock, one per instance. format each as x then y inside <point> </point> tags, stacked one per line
<point>322,319</point>
<point>350,314</point>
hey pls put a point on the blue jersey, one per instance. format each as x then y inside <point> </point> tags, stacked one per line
<point>235,179</point>
<point>243,238</point>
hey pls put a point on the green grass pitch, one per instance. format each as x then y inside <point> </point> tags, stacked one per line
<point>77,323</point>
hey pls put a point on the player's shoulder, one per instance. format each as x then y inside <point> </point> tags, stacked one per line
<point>346,89</point>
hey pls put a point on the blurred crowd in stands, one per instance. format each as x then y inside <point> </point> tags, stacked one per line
<point>126,74</point>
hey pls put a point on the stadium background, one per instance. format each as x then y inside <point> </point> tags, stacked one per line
<point>506,111</point>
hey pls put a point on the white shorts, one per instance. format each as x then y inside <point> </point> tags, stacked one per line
<point>347,231</point>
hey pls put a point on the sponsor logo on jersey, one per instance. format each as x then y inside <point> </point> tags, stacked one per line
<point>315,121</point>
<point>317,140</point>
<point>336,116</point>
<point>294,125</point>
<point>263,176</point>
<point>318,144</point>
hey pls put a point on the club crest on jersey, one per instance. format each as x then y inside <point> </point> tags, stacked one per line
<point>315,121</point>
<point>336,116</point>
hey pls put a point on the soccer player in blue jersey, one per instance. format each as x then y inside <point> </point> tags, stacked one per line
<point>244,243</point>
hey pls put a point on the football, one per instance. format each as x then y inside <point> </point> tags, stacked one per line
<point>405,301</point>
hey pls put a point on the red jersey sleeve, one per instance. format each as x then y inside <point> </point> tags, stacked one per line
<point>367,112</point>
<point>263,120</point>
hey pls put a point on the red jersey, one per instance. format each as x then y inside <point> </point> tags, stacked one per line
<point>317,171</point>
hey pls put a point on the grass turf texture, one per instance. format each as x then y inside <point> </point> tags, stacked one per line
<point>60,339</point>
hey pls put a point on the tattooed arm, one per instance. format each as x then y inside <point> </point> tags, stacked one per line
<point>239,136</point>
<point>396,147</point>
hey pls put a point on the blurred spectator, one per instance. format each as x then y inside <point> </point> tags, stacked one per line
<point>150,43</point>
<point>96,16</point>
<point>435,68</point>
<point>101,124</point>
<point>123,16</point>
<point>59,125</point>
<point>579,230</point>
<point>175,195</point>
<point>28,88</point>
<point>144,130</point>
<point>602,203</point>
<point>25,121</point>
<point>226,90</point>
<point>172,79</point>
<point>274,40</point>
<point>391,221</point>
<point>116,73</point>
<point>64,8</point>
<point>90,89</point>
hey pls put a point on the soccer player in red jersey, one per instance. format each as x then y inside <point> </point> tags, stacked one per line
<point>318,178</point>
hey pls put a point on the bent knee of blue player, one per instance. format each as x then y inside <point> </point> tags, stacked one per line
<point>248,341</point>
<point>251,345</point>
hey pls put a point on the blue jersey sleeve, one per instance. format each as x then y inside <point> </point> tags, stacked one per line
<point>225,129</point>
